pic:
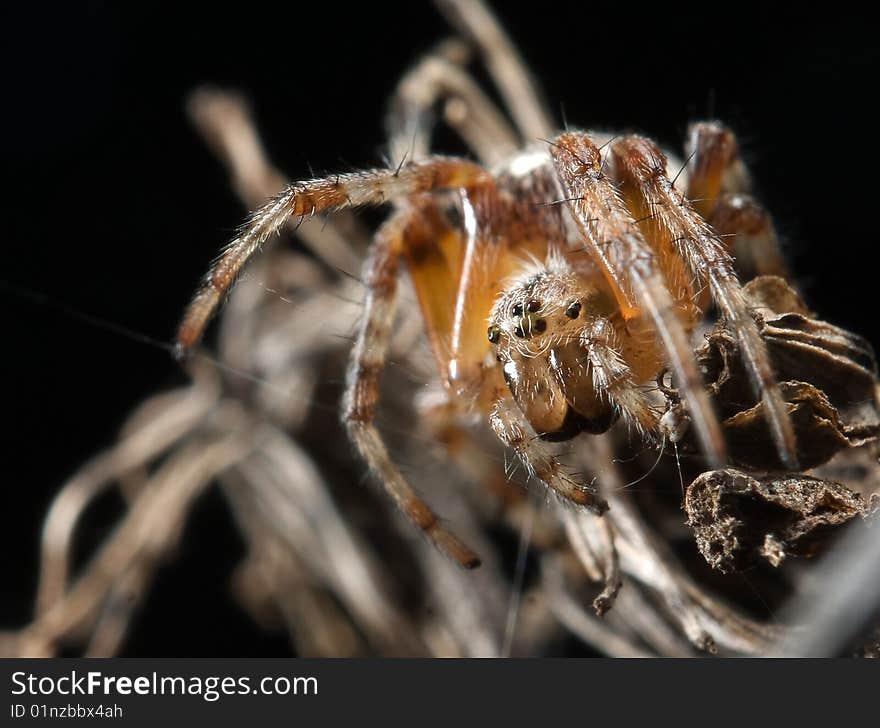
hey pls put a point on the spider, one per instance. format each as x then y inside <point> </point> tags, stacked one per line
<point>558,276</point>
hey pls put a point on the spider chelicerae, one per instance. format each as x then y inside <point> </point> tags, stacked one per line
<point>559,276</point>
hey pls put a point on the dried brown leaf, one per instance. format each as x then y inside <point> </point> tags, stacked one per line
<point>739,520</point>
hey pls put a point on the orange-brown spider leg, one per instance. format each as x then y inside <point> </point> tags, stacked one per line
<point>613,378</point>
<point>714,166</point>
<point>304,199</point>
<point>671,223</point>
<point>514,431</point>
<point>717,186</point>
<point>614,240</point>
<point>468,110</point>
<point>362,391</point>
<point>747,231</point>
<point>225,121</point>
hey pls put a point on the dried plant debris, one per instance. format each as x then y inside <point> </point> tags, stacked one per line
<point>739,520</point>
<point>871,648</point>
<point>821,433</point>
<point>827,375</point>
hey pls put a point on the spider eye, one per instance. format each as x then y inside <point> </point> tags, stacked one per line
<point>517,309</point>
<point>574,310</point>
<point>540,326</point>
<point>518,331</point>
<point>494,334</point>
<point>534,306</point>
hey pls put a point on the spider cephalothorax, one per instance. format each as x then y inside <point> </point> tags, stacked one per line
<point>629,262</point>
<point>541,326</point>
<point>541,308</point>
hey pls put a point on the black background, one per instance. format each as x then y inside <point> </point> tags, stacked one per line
<point>113,207</point>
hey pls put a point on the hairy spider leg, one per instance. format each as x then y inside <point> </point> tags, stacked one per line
<point>304,199</point>
<point>714,166</point>
<point>612,376</point>
<point>225,121</point>
<point>718,185</point>
<point>512,428</point>
<point>671,224</point>
<point>747,231</point>
<point>611,235</point>
<point>362,388</point>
